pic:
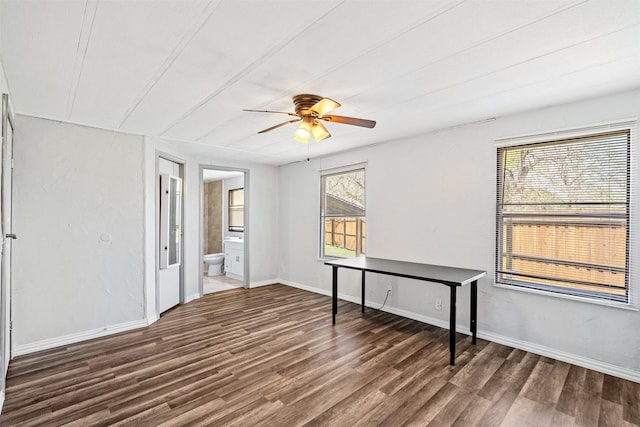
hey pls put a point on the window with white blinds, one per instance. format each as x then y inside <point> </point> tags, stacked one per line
<point>563,216</point>
<point>236,210</point>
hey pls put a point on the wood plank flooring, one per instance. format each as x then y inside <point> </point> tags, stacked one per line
<point>270,357</point>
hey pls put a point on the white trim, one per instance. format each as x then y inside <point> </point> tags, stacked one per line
<point>322,217</point>
<point>566,132</point>
<point>375,304</point>
<point>46,344</point>
<point>1,400</point>
<point>192,297</point>
<point>152,319</point>
<point>344,168</point>
<point>585,362</point>
<point>263,283</point>
<point>574,359</point>
<point>234,276</point>
<point>607,303</point>
<point>246,179</point>
<point>309,288</point>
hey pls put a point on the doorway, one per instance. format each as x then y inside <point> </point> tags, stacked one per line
<point>169,232</point>
<point>224,220</point>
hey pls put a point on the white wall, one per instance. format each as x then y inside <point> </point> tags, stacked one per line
<point>4,87</point>
<point>78,214</point>
<point>432,199</point>
<point>85,261</point>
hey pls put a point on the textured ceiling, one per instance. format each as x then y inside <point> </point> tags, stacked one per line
<point>184,70</point>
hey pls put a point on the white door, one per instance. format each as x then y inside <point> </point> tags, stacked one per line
<point>169,276</point>
<point>6,236</point>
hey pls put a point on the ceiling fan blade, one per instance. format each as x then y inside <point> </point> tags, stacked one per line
<point>277,126</point>
<point>269,111</point>
<point>350,121</point>
<point>319,131</point>
<point>324,106</point>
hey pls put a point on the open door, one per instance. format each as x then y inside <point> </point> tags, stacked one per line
<point>170,235</point>
<point>6,234</point>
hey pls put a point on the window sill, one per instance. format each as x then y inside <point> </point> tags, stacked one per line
<point>333,258</point>
<point>614,304</point>
<point>329,258</point>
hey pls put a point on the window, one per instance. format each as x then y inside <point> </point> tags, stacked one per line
<point>563,216</point>
<point>342,214</point>
<point>236,210</point>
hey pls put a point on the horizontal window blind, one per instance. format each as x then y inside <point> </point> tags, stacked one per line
<point>236,209</point>
<point>563,215</point>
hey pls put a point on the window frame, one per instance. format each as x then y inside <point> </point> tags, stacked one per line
<point>230,227</point>
<point>322,216</point>
<point>628,125</point>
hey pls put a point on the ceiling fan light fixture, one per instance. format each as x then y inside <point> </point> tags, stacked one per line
<point>311,111</point>
<point>303,133</point>
<point>319,131</point>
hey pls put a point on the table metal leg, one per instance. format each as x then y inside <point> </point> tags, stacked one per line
<point>362,284</point>
<point>335,293</point>
<point>474,310</point>
<point>452,326</point>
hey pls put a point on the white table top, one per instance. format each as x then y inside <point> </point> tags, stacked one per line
<point>412,270</point>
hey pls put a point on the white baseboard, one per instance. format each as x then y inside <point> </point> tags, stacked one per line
<point>313,289</point>
<point>1,400</point>
<point>575,359</point>
<point>393,310</point>
<point>191,297</point>
<point>152,319</point>
<point>23,349</point>
<point>263,283</point>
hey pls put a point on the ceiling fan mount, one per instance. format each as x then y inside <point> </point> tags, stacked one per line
<point>311,111</point>
<point>303,104</point>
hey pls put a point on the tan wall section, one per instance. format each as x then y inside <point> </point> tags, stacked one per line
<point>212,207</point>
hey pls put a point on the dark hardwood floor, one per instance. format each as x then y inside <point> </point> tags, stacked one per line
<point>270,357</point>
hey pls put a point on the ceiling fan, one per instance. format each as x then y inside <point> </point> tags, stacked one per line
<point>311,111</point>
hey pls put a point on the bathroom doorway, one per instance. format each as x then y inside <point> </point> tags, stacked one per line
<point>224,219</point>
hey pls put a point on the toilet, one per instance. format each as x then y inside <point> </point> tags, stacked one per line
<point>216,264</point>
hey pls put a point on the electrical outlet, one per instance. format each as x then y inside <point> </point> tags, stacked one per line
<point>390,289</point>
<point>439,304</point>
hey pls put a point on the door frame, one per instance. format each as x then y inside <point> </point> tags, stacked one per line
<point>182,165</point>
<point>246,282</point>
<point>6,286</point>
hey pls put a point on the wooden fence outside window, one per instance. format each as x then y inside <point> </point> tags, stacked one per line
<point>346,232</point>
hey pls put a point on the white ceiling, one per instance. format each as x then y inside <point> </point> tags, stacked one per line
<point>184,70</point>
